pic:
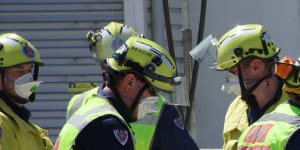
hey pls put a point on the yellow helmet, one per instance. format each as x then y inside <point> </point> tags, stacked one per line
<point>243,41</point>
<point>147,59</point>
<point>104,42</point>
<point>293,79</point>
<point>15,50</point>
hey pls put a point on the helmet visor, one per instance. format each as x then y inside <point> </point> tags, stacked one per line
<point>206,51</point>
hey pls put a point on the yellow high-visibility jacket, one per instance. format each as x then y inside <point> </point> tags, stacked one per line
<point>236,120</point>
<point>16,134</point>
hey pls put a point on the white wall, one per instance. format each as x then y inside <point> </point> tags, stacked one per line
<point>281,19</point>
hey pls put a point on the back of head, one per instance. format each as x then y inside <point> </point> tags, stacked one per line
<point>15,50</point>
<point>146,59</point>
<point>244,41</point>
<point>104,42</point>
<point>289,71</point>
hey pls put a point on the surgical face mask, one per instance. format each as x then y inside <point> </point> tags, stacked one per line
<point>147,106</point>
<point>231,85</point>
<point>25,86</point>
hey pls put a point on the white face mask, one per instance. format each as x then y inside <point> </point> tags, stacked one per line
<point>25,86</point>
<point>231,85</point>
<point>147,106</point>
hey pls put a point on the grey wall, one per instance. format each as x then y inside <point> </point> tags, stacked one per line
<point>58,29</point>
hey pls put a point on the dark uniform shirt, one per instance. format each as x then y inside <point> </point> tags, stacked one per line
<point>107,132</point>
<point>22,112</point>
<point>171,132</point>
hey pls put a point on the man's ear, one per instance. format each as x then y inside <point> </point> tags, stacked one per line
<point>257,65</point>
<point>129,80</point>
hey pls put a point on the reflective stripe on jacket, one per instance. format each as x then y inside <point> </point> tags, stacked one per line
<point>236,120</point>
<point>143,129</point>
<point>94,108</point>
<point>272,130</point>
<point>78,100</point>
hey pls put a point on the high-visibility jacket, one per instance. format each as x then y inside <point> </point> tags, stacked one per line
<point>78,100</point>
<point>16,134</point>
<point>143,128</point>
<point>272,130</point>
<point>236,120</point>
<point>95,107</point>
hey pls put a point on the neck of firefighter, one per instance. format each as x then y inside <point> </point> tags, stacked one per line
<point>128,89</point>
<point>266,90</point>
<point>257,74</point>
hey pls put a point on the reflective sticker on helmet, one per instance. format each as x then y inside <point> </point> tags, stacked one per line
<point>126,29</point>
<point>179,123</point>
<point>237,35</point>
<point>155,51</point>
<point>10,42</point>
<point>166,60</point>
<point>28,52</point>
<point>105,34</point>
<point>116,43</point>
<point>121,135</point>
<point>142,48</point>
<point>123,49</point>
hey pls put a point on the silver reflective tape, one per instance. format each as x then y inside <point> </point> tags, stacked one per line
<point>80,121</point>
<point>295,120</point>
<point>75,106</point>
<point>148,119</point>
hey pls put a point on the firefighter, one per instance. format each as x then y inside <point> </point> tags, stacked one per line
<point>168,127</point>
<point>103,43</point>
<point>280,128</point>
<point>248,52</point>
<point>136,71</point>
<point>19,63</point>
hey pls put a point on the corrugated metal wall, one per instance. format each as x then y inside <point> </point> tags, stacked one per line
<point>158,32</point>
<point>57,28</point>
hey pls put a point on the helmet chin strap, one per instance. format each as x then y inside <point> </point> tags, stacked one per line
<point>137,99</point>
<point>35,77</point>
<point>123,110</point>
<point>249,97</point>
